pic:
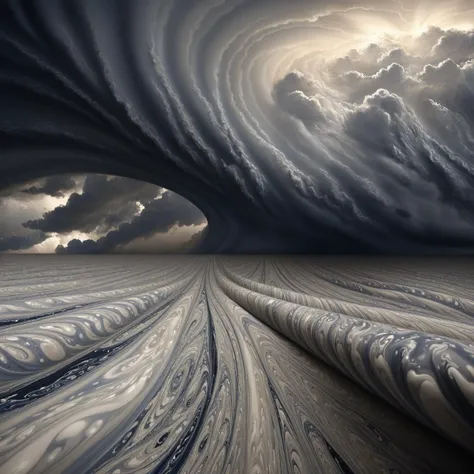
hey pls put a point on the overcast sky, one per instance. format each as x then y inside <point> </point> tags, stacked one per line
<point>97,213</point>
<point>325,126</point>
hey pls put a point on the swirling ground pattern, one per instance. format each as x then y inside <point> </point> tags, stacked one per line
<point>185,364</point>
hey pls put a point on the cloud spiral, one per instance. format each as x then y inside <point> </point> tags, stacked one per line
<point>294,126</point>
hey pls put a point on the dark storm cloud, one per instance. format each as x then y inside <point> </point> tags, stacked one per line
<point>455,45</point>
<point>443,74</point>
<point>294,94</point>
<point>55,186</point>
<point>160,215</point>
<point>104,203</point>
<point>385,120</point>
<point>195,239</point>
<point>21,242</point>
<point>332,157</point>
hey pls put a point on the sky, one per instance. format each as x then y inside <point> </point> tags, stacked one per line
<point>99,213</point>
<point>295,127</point>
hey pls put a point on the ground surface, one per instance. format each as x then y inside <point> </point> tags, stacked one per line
<point>121,364</point>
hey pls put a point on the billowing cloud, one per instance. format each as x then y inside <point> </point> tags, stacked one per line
<point>294,94</point>
<point>21,242</point>
<point>403,125</point>
<point>455,45</point>
<point>55,186</point>
<point>294,126</point>
<point>158,216</point>
<point>104,203</point>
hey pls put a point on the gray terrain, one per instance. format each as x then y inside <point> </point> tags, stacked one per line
<point>196,364</point>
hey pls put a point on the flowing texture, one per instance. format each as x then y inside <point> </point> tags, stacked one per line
<point>185,364</point>
<point>295,127</point>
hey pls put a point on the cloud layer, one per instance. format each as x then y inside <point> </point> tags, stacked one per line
<point>103,214</point>
<point>158,216</point>
<point>103,203</point>
<point>54,186</point>
<point>295,127</point>
<point>20,242</point>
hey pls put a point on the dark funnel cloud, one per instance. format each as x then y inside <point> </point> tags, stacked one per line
<point>336,146</point>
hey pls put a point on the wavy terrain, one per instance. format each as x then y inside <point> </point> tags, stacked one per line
<point>195,364</point>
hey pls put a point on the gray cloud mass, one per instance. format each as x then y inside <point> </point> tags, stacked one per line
<point>55,186</point>
<point>327,126</point>
<point>159,215</point>
<point>21,242</point>
<point>104,202</point>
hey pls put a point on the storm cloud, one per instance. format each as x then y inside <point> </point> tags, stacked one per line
<point>104,203</point>
<point>55,186</point>
<point>293,126</point>
<point>21,242</point>
<point>159,216</point>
